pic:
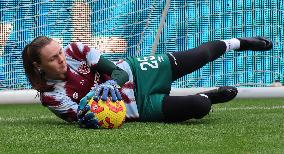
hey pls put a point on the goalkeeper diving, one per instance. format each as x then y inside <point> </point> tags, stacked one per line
<point>67,78</point>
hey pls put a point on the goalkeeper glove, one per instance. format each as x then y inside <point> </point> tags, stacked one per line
<point>86,118</point>
<point>103,90</point>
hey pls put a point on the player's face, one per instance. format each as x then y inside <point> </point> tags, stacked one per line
<point>53,61</point>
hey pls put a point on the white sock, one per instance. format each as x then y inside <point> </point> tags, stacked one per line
<point>232,44</point>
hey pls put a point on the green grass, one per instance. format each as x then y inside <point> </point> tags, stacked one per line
<point>242,126</point>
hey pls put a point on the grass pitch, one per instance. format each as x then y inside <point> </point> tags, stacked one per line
<point>241,126</point>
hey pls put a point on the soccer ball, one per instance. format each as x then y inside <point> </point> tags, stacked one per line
<point>109,114</point>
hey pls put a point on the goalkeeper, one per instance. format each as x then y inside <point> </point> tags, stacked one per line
<point>68,77</point>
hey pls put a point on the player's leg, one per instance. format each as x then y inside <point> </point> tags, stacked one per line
<point>165,108</point>
<point>162,107</point>
<point>185,62</point>
<point>181,108</point>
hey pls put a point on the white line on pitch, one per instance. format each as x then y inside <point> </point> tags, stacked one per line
<point>249,108</point>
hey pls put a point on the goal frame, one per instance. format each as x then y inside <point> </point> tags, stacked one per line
<point>31,96</point>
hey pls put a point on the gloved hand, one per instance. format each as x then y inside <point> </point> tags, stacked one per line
<point>86,118</point>
<point>103,90</point>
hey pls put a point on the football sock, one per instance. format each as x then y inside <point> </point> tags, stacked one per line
<point>232,44</point>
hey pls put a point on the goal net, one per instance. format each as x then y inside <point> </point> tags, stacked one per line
<point>122,28</point>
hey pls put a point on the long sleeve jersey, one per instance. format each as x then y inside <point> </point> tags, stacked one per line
<point>84,72</point>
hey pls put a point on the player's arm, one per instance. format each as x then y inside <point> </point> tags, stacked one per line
<point>61,105</point>
<point>117,74</point>
<point>95,60</point>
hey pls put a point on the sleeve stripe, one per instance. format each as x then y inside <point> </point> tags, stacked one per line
<point>93,57</point>
<point>80,46</point>
<point>77,54</point>
<point>49,101</point>
<point>86,50</point>
<point>68,51</point>
<point>81,52</point>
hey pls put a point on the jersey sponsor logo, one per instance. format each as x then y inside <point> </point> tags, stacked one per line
<point>75,95</point>
<point>84,68</point>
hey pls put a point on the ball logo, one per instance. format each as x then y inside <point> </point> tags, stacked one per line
<point>75,95</point>
<point>114,107</point>
<point>96,108</point>
<point>107,120</point>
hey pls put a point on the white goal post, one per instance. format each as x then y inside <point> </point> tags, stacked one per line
<point>30,96</point>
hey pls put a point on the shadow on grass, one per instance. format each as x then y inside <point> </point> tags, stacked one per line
<point>194,122</point>
<point>188,122</point>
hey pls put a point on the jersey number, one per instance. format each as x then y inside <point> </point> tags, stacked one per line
<point>148,61</point>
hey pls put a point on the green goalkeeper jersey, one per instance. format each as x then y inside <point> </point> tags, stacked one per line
<point>152,77</point>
